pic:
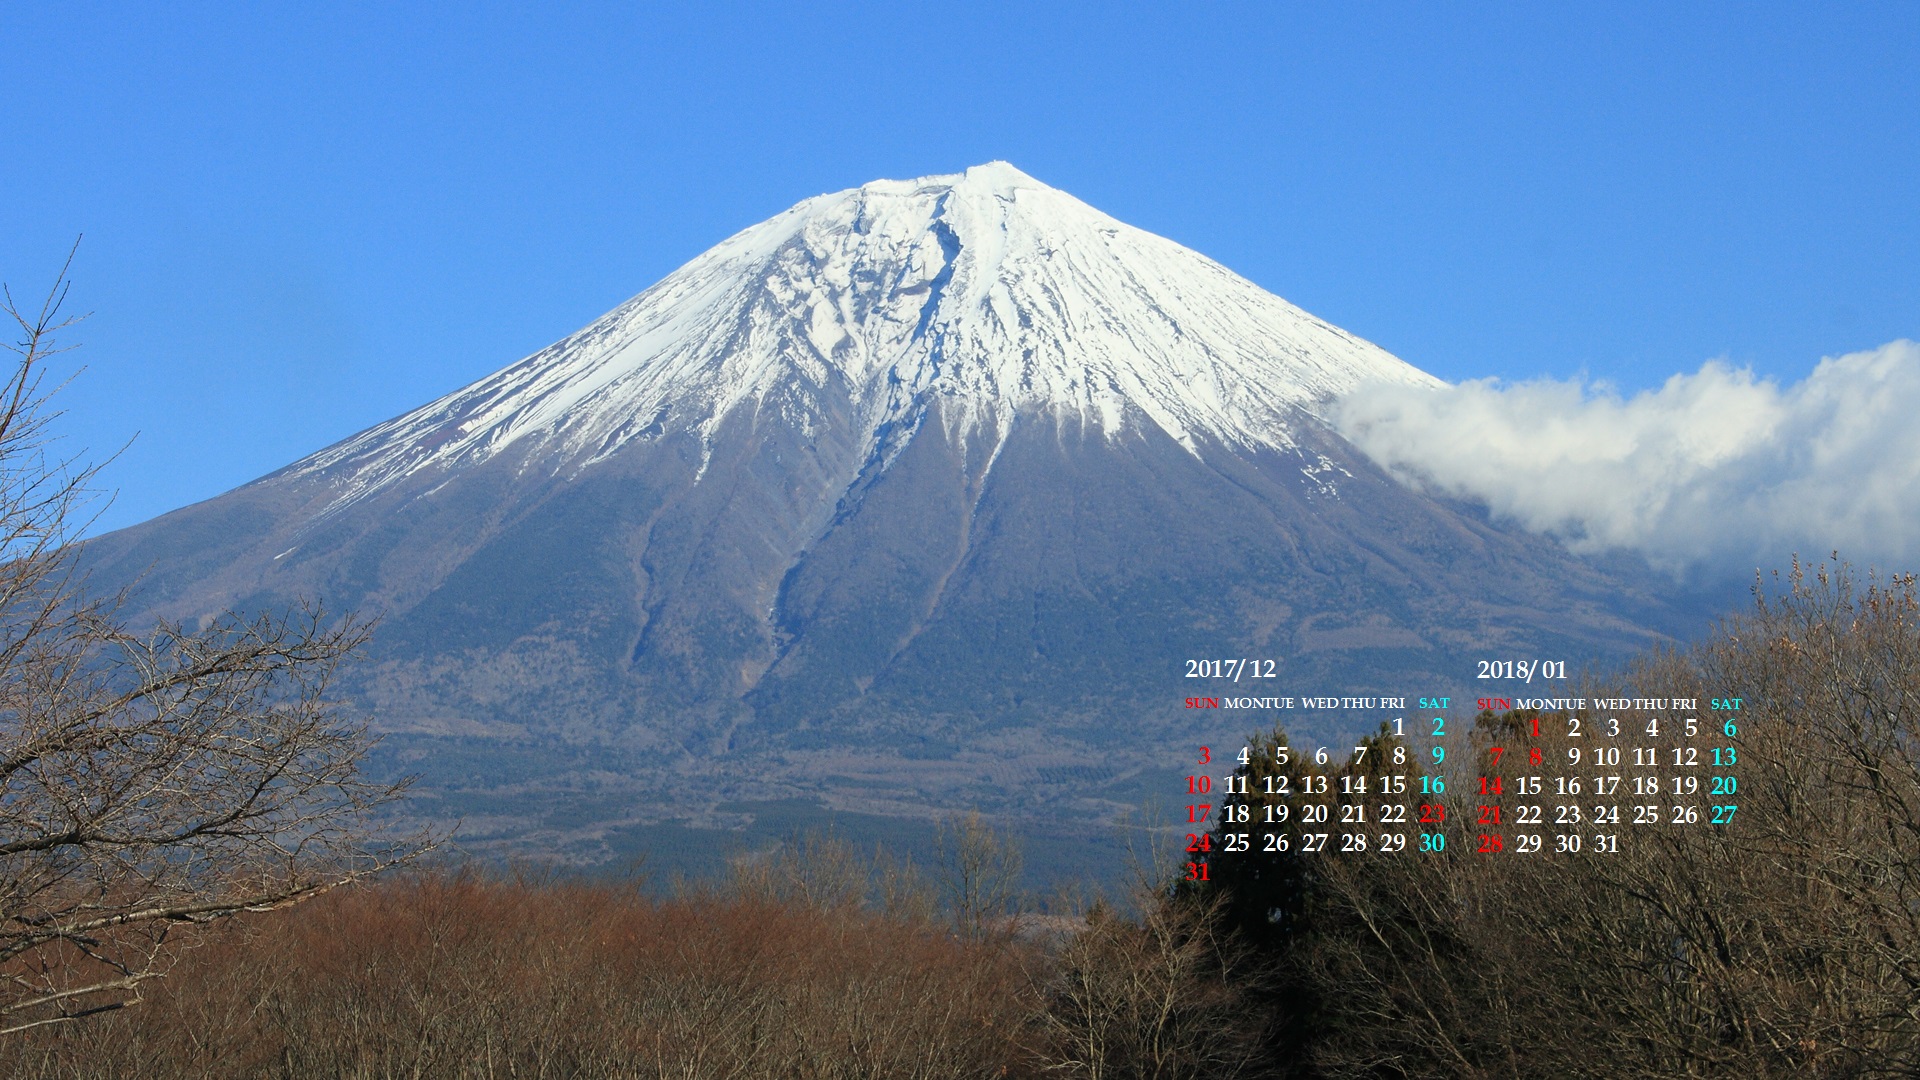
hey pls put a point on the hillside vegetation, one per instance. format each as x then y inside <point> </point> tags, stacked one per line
<point>1786,944</point>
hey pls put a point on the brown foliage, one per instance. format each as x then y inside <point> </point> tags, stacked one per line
<point>805,963</point>
<point>467,977</point>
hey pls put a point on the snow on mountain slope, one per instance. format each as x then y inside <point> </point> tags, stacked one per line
<point>985,293</point>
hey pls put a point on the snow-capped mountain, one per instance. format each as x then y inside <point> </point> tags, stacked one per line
<point>914,490</point>
<point>967,298</point>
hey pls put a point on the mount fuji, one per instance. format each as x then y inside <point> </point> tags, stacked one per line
<point>914,496</point>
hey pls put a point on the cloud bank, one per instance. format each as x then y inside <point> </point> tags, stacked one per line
<point>1713,468</point>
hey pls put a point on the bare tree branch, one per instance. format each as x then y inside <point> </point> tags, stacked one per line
<point>151,780</point>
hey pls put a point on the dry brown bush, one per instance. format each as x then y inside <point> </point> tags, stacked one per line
<point>468,977</point>
<point>781,971</point>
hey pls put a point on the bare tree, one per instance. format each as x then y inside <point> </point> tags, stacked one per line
<point>150,781</point>
<point>979,873</point>
<point>1165,995</point>
<point>811,869</point>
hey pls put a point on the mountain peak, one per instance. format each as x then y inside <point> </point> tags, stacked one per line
<point>994,178</point>
<point>1000,175</point>
<point>975,298</point>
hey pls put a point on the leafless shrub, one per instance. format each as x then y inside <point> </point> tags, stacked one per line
<point>1164,995</point>
<point>466,976</point>
<point>979,873</point>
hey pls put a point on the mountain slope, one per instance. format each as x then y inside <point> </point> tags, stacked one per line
<point>901,498</point>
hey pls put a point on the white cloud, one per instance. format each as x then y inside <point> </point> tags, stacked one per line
<point>1711,467</point>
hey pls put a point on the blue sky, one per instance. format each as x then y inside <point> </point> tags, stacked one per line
<point>301,223</point>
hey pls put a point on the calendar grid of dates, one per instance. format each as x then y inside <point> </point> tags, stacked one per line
<point>1580,780</point>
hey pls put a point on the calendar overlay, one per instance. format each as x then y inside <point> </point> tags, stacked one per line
<point>1507,774</point>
